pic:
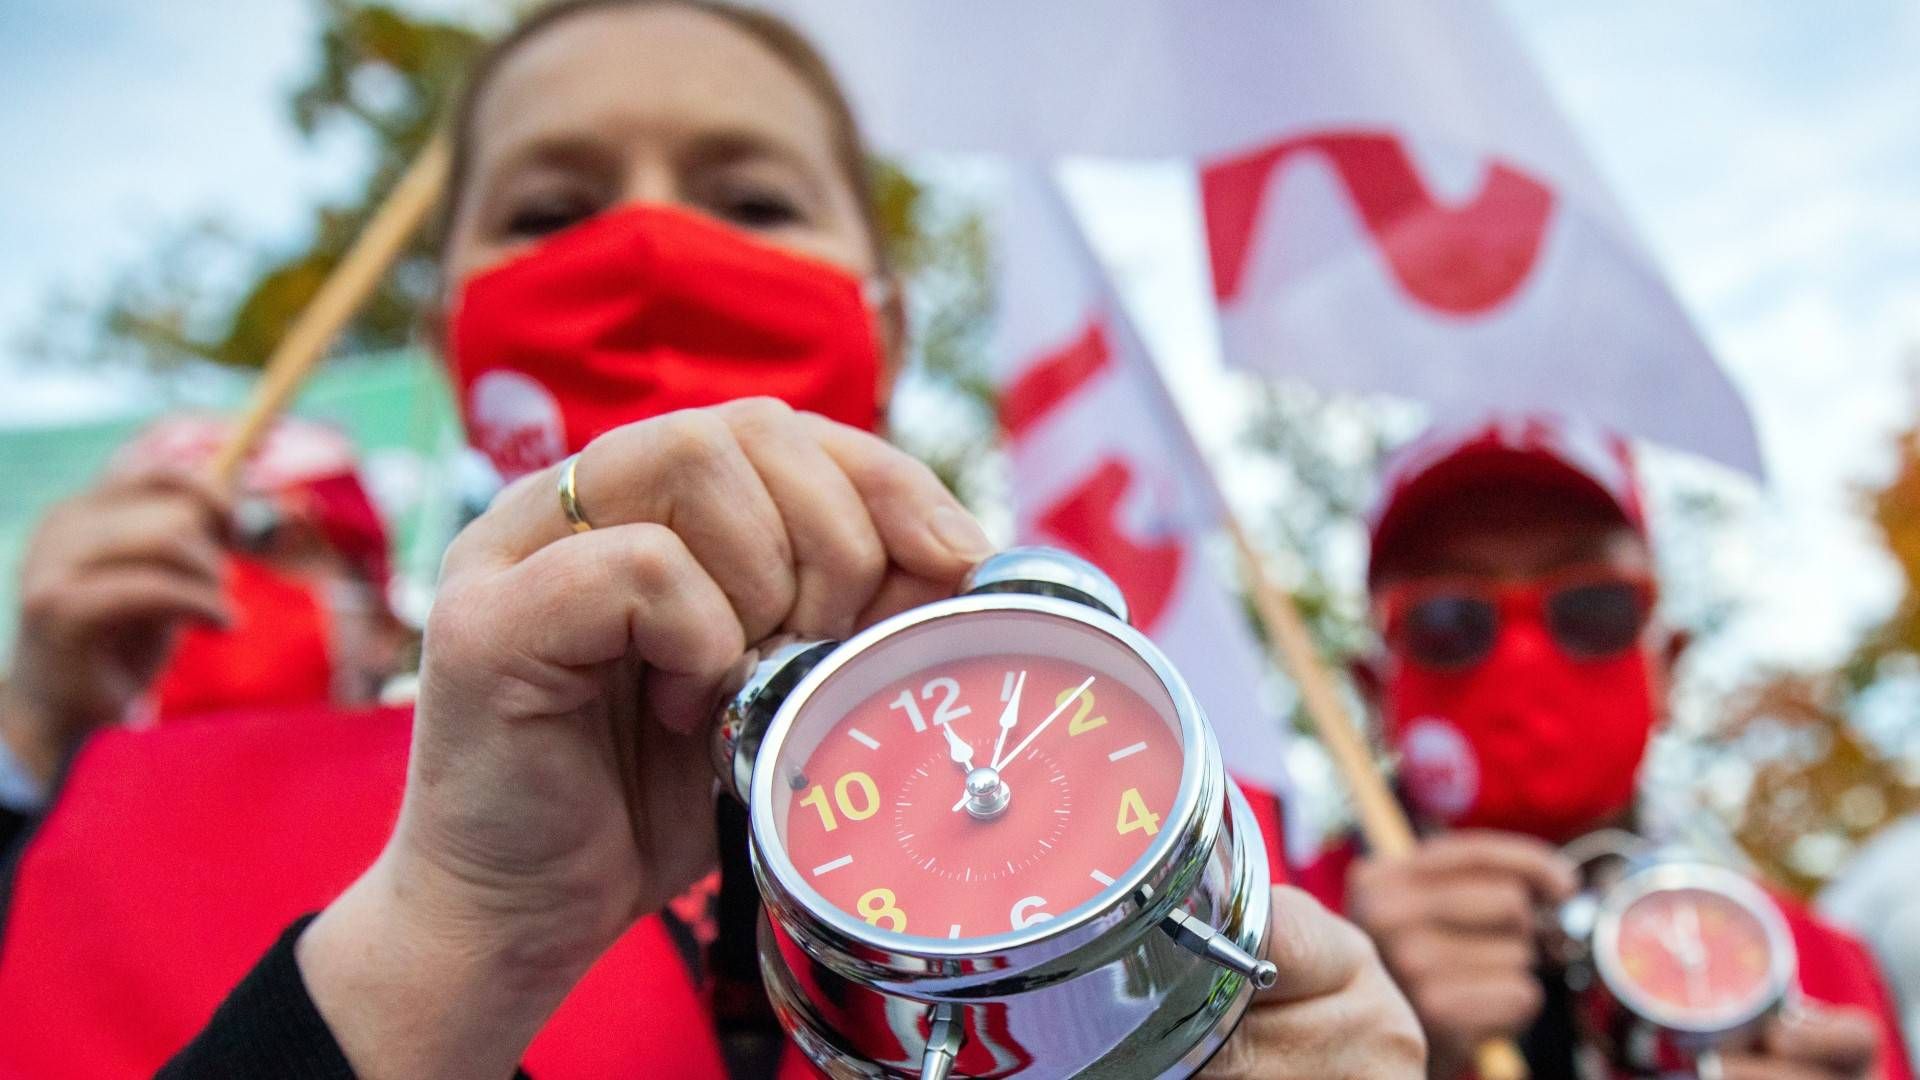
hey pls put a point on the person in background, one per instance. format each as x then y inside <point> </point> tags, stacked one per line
<point>666,284</point>
<point>155,597</point>
<point>1523,674</point>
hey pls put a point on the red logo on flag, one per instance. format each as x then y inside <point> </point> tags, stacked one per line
<point>1087,523</point>
<point>1460,260</point>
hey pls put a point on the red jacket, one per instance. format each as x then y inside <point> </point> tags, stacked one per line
<point>175,856</point>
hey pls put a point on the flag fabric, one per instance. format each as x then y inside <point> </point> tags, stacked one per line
<point>1391,200</point>
<point>1103,466</point>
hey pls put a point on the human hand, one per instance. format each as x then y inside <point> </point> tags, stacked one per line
<point>1455,922</point>
<point>1334,1014</point>
<point>1809,1042</point>
<point>108,578</point>
<point>560,782</point>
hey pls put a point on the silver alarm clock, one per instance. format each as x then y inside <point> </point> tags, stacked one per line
<point>1694,952</point>
<point>993,836</point>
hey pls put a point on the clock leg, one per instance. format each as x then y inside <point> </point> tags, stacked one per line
<point>943,1043</point>
<point>1217,948</point>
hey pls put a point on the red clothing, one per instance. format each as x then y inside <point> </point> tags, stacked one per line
<point>175,856</point>
<point>1835,968</point>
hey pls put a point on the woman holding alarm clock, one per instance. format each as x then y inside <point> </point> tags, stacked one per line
<point>671,326</point>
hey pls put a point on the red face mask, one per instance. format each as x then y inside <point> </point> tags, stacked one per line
<point>276,652</point>
<point>645,311</point>
<point>1529,739</point>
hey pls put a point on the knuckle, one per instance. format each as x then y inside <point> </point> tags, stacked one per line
<point>1413,957</point>
<point>855,554</point>
<point>1507,902</point>
<point>447,619</point>
<point>463,552</point>
<point>696,439</point>
<point>757,414</point>
<point>653,561</point>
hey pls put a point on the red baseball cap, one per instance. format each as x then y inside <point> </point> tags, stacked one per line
<point>1590,463</point>
<point>308,469</point>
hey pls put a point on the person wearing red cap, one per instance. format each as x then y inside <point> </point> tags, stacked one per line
<point>1522,676</point>
<point>152,598</point>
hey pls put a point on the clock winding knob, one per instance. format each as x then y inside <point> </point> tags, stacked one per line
<point>1045,571</point>
<point>765,677</point>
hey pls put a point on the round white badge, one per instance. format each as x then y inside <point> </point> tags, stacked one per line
<point>516,422</point>
<point>1439,767</point>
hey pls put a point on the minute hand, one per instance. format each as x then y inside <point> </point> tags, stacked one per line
<point>1035,733</point>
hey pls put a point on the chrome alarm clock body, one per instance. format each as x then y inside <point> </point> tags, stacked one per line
<point>1693,954</point>
<point>970,868</point>
<point>1694,949</point>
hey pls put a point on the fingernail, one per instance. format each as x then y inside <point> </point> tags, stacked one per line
<point>959,533</point>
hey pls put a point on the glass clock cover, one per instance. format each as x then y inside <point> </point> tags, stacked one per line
<point>1695,958</point>
<point>976,774</point>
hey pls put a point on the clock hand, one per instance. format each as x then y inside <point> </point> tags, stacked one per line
<point>1051,717</point>
<point>957,748</point>
<point>1035,733</point>
<point>1694,955</point>
<point>1009,716</point>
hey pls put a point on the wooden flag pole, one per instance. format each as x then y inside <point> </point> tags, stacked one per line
<point>1382,821</point>
<point>339,299</point>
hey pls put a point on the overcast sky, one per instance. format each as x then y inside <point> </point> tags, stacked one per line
<point>1768,151</point>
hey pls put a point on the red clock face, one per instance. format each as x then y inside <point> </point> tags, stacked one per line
<point>1697,955</point>
<point>977,774</point>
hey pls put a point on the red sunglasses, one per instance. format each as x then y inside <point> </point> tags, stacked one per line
<point>1591,613</point>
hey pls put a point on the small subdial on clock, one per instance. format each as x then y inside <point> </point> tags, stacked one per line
<point>957,846</point>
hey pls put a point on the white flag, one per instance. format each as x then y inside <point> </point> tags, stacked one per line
<point>1103,466</point>
<point>1392,202</point>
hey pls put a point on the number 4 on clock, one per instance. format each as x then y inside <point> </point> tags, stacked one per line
<point>1134,814</point>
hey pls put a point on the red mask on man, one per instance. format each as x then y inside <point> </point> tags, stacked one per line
<point>276,652</point>
<point>1530,739</point>
<point>644,311</point>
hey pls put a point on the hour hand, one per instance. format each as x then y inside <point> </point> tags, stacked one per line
<point>958,749</point>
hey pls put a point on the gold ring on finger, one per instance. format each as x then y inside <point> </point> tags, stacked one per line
<point>570,496</point>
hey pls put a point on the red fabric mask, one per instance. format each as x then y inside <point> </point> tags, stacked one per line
<point>277,651</point>
<point>1529,740</point>
<point>644,311</point>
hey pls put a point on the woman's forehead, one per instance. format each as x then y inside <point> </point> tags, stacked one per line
<point>665,74</point>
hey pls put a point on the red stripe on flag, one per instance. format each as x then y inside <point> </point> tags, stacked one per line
<point>1459,260</point>
<point>1052,379</point>
<point>1086,521</point>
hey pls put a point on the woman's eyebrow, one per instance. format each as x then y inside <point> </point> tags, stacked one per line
<point>727,145</point>
<point>562,149</point>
